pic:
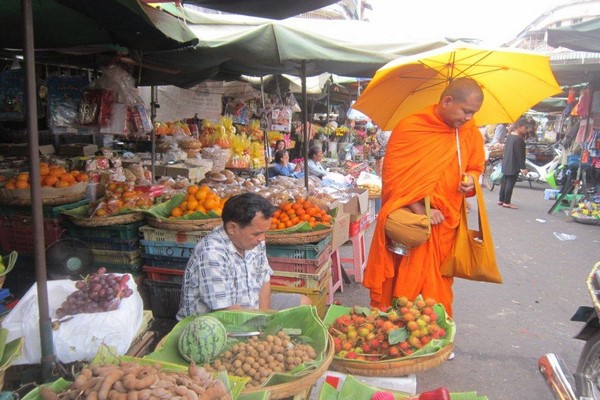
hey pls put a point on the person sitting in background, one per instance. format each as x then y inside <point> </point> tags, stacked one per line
<point>500,134</point>
<point>279,145</point>
<point>282,166</point>
<point>315,155</point>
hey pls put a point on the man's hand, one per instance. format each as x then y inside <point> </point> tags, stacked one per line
<point>467,184</point>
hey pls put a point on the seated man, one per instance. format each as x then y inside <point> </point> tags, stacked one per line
<point>315,155</point>
<point>229,269</point>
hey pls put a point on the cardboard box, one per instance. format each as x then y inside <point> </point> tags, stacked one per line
<point>358,205</point>
<point>190,173</point>
<point>77,149</point>
<point>46,149</point>
<point>341,229</point>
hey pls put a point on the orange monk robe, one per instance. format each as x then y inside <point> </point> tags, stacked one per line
<point>421,160</point>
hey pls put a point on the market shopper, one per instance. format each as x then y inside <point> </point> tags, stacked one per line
<point>421,160</point>
<point>315,155</point>
<point>282,167</point>
<point>229,269</point>
<point>513,162</point>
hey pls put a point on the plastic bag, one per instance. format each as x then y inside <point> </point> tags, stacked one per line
<point>79,338</point>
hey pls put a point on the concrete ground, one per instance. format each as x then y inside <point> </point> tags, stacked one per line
<point>503,329</point>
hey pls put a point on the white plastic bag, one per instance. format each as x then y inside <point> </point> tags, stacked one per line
<point>80,338</point>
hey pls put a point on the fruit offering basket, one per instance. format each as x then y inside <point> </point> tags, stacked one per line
<point>411,337</point>
<point>7,263</point>
<point>293,348</point>
<point>51,196</point>
<point>170,215</point>
<point>80,216</point>
<point>299,222</point>
<point>587,212</point>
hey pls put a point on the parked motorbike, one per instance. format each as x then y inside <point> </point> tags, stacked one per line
<point>584,384</point>
<point>538,173</point>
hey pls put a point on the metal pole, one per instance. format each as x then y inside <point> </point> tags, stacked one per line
<point>47,346</point>
<point>265,135</point>
<point>304,122</point>
<point>153,107</point>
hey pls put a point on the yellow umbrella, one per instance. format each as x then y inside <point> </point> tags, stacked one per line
<point>512,82</point>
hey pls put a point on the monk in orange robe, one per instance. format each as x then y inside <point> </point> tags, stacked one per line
<point>422,160</point>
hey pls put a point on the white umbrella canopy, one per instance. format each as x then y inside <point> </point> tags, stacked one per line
<point>512,82</point>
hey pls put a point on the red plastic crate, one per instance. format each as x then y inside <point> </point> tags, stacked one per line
<point>18,233</point>
<point>302,265</point>
<point>163,274</point>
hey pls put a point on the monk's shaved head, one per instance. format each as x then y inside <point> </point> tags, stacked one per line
<point>462,88</point>
<point>461,99</point>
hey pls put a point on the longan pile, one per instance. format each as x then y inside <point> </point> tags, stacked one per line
<point>259,358</point>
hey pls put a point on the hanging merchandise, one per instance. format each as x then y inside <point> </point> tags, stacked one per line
<point>136,120</point>
<point>281,119</point>
<point>12,86</point>
<point>239,112</point>
<point>64,97</point>
<point>583,107</point>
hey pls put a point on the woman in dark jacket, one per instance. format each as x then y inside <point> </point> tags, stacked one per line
<point>513,162</point>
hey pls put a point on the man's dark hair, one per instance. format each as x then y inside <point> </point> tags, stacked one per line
<point>242,208</point>
<point>313,151</point>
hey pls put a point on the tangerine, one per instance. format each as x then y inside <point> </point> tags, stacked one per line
<point>82,177</point>
<point>61,184</point>
<point>192,189</point>
<point>10,185</point>
<point>176,212</point>
<point>49,180</point>
<point>21,184</point>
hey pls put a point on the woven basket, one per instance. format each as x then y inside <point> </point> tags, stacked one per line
<point>184,225</point>
<point>587,221</point>
<point>297,238</point>
<point>50,196</point>
<point>300,385</point>
<point>108,220</point>
<point>593,285</point>
<point>397,367</point>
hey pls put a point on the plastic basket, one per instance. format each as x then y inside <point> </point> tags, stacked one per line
<point>47,211</point>
<point>303,265</point>
<point>124,231</point>
<point>163,274</point>
<point>125,267</point>
<point>171,249</point>
<point>165,262</point>
<point>301,280</point>
<point>116,257</point>
<point>164,298</point>
<point>164,235</point>
<point>307,251</point>
<point>317,297</point>
<point>113,244</point>
<point>18,234</point>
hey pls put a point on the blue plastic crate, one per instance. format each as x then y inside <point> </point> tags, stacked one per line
<point>165,262</point>
<point>171,249</point>
<point>309,251</point>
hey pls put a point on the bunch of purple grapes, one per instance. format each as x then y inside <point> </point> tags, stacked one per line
<point>97,292</point>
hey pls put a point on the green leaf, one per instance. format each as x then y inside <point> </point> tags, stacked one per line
<point>366,311</point>
<point>398,335</point>
<point>292,331</point>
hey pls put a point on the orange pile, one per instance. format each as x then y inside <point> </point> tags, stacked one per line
<point>51,176</point>
<point>120,196</point>
<point>295,212</point>
<point>199,198</point>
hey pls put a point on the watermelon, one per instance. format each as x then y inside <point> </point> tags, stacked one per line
<point>202,340</point>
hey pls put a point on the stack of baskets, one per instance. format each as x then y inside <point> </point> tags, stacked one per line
<point>302,268</point>
<point>165,254</point>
